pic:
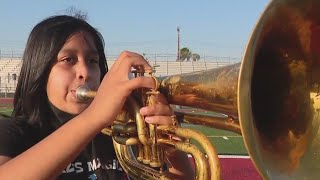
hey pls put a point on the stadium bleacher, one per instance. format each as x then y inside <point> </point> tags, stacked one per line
<point>10,69</point>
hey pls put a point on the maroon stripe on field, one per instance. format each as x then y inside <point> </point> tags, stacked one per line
<point>6,100</point>
<point>236,169</point>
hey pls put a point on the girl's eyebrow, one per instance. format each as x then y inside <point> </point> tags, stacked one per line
<point>89,52</point>
<point>67,51</point>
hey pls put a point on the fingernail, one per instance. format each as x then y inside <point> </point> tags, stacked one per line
<point>143,111</point>
<point>148,119</point>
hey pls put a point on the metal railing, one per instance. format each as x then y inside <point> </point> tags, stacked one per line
<point>164,64</point>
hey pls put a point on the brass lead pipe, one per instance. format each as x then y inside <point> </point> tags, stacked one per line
<point>213,90</point>
<point>225,123</point>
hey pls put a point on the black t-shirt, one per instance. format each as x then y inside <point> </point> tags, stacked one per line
<point>96,161</point>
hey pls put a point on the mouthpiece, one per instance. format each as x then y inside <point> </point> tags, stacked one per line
<point>84,93</point>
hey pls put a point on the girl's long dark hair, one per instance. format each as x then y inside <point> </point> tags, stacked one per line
<point>44,42</point>
<point>31,104</point>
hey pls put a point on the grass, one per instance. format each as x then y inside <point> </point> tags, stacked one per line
<point>225,142</point>
<point>6,110</point>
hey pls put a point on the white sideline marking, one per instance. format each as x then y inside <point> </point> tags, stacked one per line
<point>228,156</point>
<point>225,137</point>
<point>234,156</point>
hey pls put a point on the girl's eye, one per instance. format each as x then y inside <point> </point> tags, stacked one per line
<point>94,61</point>
<point>68,60</point>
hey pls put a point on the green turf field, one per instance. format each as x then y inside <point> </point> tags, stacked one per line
<point>6,111</point>
<point>225,142</point>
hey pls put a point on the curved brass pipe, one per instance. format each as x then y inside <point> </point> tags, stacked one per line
<point>199,158</point>
<point>133,168</point>
<point>213,159</point>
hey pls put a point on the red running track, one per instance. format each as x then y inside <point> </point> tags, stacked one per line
<point>237,168</point>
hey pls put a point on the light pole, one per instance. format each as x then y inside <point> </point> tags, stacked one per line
<point>178,53</point>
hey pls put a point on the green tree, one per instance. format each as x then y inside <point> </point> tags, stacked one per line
<point>186,54</point>
<point>195,57</point>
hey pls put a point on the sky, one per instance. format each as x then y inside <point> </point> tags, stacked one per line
<point>207,27</point>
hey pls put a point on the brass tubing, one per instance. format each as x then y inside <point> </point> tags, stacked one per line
<point>203,141</point>
<point>225,123</point>
<point>201,163</point>
<point>140,152</point>
<point>107,131</point>
<point>129,141</point>
<point>155,149</point>
<point>207,147</point>
<point>134,168</point>
<point>129,128</point>
<point>213,90</point>
<point>146,154</point>
<point>143,132</point>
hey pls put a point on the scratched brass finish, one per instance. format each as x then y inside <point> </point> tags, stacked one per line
<point>213,90</point>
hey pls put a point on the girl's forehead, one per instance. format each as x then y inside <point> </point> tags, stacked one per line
<point>80,39</point>
<point>81,36</point>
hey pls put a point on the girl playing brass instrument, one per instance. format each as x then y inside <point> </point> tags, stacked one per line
<point>53,135</point>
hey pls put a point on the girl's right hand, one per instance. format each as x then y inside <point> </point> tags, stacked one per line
<point>116,86</point>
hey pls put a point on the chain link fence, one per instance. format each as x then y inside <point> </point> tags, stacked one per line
<point>164,64</point>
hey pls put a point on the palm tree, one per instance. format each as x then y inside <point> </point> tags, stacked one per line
<point>195,57</point>
<point>186,54</point>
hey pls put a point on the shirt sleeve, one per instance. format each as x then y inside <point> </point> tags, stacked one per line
<point>11,137</point>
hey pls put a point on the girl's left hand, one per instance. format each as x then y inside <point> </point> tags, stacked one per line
<point>158,113</point>
<point>179,166</point>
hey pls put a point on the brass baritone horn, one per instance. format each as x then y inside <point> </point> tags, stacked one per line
<point>130,130</point>
<point>274,93</point>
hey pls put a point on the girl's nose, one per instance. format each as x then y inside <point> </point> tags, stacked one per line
<point>82,71</point>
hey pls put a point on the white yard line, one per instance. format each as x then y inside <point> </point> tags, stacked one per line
<point>234,156</point>
<point>230,156</point>
<point>224,136</point>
